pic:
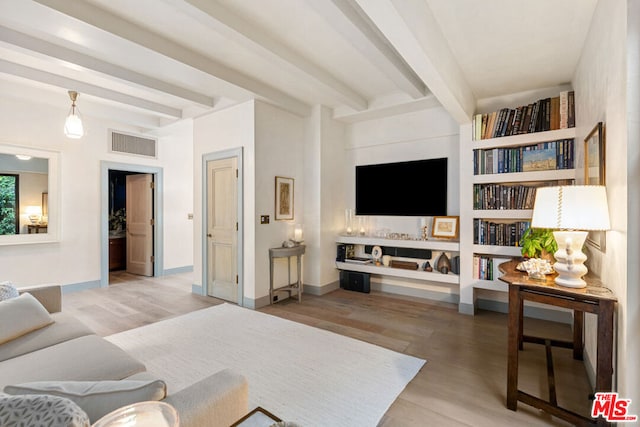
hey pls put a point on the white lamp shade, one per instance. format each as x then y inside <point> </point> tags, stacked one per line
<point>576,207</point>
<point>73,126</point>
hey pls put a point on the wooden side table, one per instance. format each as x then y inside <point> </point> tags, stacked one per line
<point>36,228</point>
<point>296,251</point>
<point>594,299</point>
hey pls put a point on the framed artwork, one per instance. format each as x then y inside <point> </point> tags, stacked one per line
<point>594,174</point>
<point>284,198</point>
<point>594,157</point>
<point>445,227</point>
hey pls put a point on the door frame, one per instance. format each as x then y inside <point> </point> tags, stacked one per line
<point>158,235</point>
<point>219,155</point>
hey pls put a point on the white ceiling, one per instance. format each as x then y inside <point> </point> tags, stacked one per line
<point>153,62</point>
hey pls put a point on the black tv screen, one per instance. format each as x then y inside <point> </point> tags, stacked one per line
<point>415,188</point>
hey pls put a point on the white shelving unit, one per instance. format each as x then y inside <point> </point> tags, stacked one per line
<point>434,245</point>
<point>468,248</point>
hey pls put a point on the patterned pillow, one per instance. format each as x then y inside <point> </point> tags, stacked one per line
<point>7,291</point>
<point>40,411</point>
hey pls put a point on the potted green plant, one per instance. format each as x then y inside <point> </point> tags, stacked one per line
<point>538,243</point>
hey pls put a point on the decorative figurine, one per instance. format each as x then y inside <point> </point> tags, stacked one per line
<point>427,266</point>
<point>443,265</point>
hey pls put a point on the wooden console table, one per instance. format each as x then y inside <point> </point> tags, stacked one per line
<point>594,299</point>
<point>296,251</point>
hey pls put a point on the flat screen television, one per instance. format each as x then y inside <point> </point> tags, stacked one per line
<point>414,188</point>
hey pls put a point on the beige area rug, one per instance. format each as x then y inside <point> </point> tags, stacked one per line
<point>300,373</point>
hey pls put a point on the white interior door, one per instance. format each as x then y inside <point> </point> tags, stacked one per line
<point>222,229</point>
<point>139,207</point>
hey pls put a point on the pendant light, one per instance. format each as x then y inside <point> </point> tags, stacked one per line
<point>73,124</point>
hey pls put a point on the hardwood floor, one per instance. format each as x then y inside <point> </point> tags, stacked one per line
<point>462,384</point>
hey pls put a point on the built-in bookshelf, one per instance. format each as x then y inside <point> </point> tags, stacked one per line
<point>510,152</point>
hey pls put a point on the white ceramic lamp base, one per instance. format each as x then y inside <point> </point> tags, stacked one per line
<point>570,258</point>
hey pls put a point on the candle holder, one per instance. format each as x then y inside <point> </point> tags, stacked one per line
<point>348,222</point>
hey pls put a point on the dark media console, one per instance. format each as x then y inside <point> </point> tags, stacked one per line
<point>355,281</point>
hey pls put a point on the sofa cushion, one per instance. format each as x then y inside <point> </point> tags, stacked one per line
<point>96,398</point>
<point>21,315</point>
<point>64,328</point>
<point>88,358</point>
<point>41,411</point>
<point>8,291</point>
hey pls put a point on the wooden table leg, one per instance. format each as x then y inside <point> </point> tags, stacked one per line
<point>515,334</point>
<point>578,326</point>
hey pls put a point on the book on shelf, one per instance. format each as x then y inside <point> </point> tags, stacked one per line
<point>494,233</point>
<point>552,155</point>
<point>511,196</point>
<point>358,260</point>
<point>486,267</point>
<point>545,114</point>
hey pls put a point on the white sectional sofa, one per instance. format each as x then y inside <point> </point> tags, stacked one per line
<point>65,351</point>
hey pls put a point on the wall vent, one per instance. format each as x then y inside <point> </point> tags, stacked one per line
<point>131,144</point>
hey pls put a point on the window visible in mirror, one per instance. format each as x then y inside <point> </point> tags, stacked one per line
<point>9,204</point>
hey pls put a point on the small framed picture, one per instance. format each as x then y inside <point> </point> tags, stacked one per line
<point>284,199</point>
<point>594,174</point>
<point>594,157</point>
<point>445,227</point>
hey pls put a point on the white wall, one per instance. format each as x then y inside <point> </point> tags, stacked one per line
<point>600,84</point>
<point>425,134</point>
<point>219,131</point>
<point>324,165</point>
<point>76,258</point>
<point>279,144</point>
<point>177,146</point>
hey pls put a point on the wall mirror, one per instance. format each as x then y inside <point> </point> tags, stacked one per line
<point>29,195</point>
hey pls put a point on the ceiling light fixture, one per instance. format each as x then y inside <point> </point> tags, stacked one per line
<point>73,125</point>
<point>23,157</point>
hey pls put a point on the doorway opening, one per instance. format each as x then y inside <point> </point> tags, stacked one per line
<point>131,222</point>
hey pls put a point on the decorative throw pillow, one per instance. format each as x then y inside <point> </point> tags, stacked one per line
<point>96,398</point>
<point>21,315</point>
<point>40,411</point>
<point>8,291</point>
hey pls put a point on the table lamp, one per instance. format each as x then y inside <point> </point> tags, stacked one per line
<point>572,211</point>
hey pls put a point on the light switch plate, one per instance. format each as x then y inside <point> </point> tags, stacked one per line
<point>264,219</point>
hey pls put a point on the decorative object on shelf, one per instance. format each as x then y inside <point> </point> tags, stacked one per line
<point>538,243</point>
<point>536,268</point>
<point>424,228</point>
<point>407,265</point>
<point>348,222</point>
<point>427,266</point>
<point>73,124</point>
<point>284,199</point>
<point>594,174</point>
<point>141,414</point>
<point>298,236</point>
<point>443,265</point>
<point>445,227</point>
<point>376,253</point>
<point>568,209</point>
<point>362,225</point>
<point>289,244</point>
<point>386,260</point>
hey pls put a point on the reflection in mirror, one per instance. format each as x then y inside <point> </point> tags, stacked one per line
<point>23,181</point>
<point>28,191</point>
